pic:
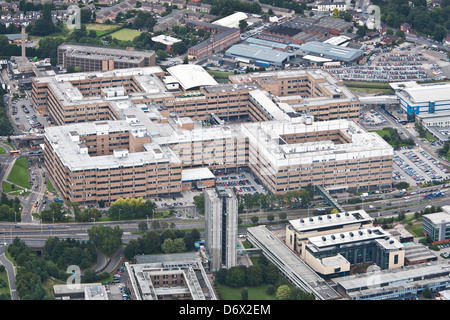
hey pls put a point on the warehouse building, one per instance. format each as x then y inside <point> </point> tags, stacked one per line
<point>331,51</point>
<point>258,55</point>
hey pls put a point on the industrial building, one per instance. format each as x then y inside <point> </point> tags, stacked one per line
<point>332,51</point>
<point>258,55</point>
<point>221,38</point>
<point>221,227</point>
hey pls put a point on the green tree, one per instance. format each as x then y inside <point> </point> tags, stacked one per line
<point>244,294</point>
<point>236,276</point>
<point>105,238</point>
<point>283,292</point>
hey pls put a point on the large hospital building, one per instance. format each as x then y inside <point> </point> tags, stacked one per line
<point>132,132</point>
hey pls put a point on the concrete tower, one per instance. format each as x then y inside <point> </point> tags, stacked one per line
<point>221,227</point>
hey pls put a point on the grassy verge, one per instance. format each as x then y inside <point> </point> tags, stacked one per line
<point>219,76</point>
<point>100,29</point>
<point>2,150</point>
<point>19,173</point>
<point>50,187</point>
<point>367,85</point>
<point>4,287</point>
<point>9,144</point>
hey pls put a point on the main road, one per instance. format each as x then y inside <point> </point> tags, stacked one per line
<point>35,234</point>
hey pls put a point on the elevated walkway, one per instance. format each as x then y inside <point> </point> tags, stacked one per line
<point>386,99</point>
<point>329,199</point>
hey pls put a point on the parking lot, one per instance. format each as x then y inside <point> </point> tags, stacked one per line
<point>373,118</point>
<point>26,118</point>
<point>408,62</point>
<point>243,182</point>
<point>416,166</point>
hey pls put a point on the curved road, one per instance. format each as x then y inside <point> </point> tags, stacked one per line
<point>11,274</point>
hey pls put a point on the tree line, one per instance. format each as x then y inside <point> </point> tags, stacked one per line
<point>263,272</point>
<point>168,241</point>
<point>33,271</point>
<point>431,21</point>
<point>10,209</point>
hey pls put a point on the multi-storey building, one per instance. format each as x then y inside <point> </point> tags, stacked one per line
<point>221,220</point>
<point>131,132</point>
<point>95,58</point>
<point>437,225</point>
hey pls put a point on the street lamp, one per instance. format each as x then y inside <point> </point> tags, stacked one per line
<point>119,213</point>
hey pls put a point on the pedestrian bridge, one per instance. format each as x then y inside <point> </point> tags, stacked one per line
<point>329,199</point>
<point>249,251</point>
<point>386,99</point>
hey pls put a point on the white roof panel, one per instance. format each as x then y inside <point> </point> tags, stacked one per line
<point>191,76</point>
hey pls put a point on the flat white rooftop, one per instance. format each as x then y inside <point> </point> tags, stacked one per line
<point>304,225</point>
<point>196,174</point>
<point>191,76</point>
<point>427,93</point>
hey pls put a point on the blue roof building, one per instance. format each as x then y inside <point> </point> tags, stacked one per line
<point>331,51</point>
<point>257,53</point>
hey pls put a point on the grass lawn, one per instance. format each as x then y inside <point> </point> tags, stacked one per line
<point>19,173</point>
<point>220,76</point>
<point>2,150</point>
<point>254,293</point>
<point>100,29</point>
<point>367,85</point>
<point>125,34</point>
<point>371,90</point>
<point>415,230</point>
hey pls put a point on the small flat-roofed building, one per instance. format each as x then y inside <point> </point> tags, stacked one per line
<point>416,253</point>
<point>168,41</point>
<point>165,276</point>
<point>81,291</point>
<point>199,178</point>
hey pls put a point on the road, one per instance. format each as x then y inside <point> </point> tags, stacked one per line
<point>11,273</point>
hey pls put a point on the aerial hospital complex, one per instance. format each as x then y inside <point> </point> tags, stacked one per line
<point>143,132</point>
